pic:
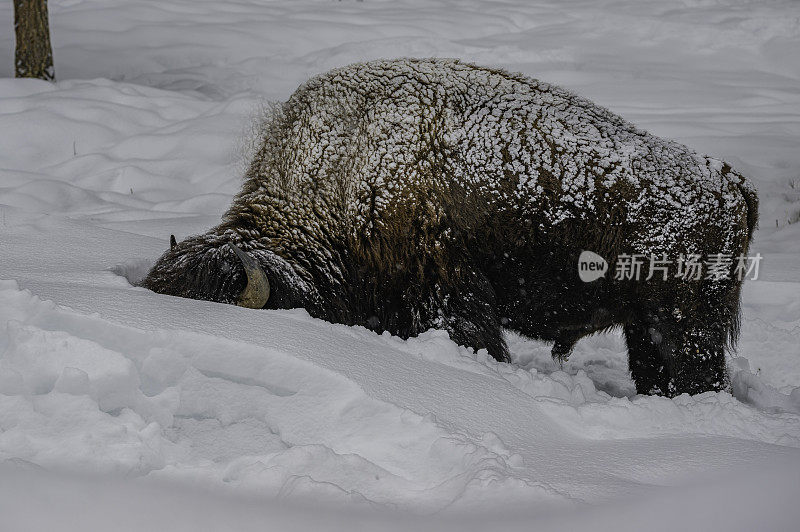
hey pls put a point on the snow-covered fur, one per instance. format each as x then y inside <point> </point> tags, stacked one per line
<point>408,194</point>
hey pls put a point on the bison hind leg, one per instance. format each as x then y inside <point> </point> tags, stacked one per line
<point>646,361</point>
<point>670,356</point>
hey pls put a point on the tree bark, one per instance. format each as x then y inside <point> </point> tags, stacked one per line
<point>34,55</point>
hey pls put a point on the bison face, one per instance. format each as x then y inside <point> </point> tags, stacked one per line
<point>212,269</point>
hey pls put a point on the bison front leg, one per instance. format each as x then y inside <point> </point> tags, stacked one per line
<point>565,343</point>
<point>468,312</point>
<point>477,326</point>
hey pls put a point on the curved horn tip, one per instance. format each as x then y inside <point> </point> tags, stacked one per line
<point>256,293</point>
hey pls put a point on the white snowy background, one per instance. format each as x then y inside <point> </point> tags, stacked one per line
<point>121,409</point>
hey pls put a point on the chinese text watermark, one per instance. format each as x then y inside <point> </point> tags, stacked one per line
<point>689,267</point>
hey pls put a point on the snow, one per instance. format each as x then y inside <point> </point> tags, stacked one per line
<point>91,503</point>
<point>212,412</point>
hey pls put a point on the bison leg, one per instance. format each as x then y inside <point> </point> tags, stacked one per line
<point>565,343</point>
<point>671,356</point>
<point>561,350</point>
<point>472,321</point>
<point>699,364</point>
<point>645,359</point>
<point>480,333</point>
<point>468,313</point>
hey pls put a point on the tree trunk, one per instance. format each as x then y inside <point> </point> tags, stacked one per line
<point>34,56</point>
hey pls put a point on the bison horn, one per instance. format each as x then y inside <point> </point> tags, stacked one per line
<point>256,293</point>
<point>172,242</point>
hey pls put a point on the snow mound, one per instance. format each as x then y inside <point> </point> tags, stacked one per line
<point>574,402</point>
<point>251,418</point>
<point>81,393</point>
<point>749,388</point>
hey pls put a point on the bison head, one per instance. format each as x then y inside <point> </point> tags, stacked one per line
<point>214,269</point>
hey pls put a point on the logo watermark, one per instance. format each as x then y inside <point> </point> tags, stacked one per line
<point>690,267</point>
<point>591,266</point>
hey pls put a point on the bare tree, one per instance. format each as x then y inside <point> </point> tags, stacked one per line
<point>34,55</point>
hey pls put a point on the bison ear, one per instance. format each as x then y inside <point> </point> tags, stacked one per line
<point>172,242</point>
<point>256,293</point>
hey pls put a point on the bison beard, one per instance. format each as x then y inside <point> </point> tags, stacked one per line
<point>404,195</point>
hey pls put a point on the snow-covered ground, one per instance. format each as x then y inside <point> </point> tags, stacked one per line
<point>214,413</point>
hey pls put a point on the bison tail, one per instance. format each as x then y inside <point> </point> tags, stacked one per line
<point>733,304</point>
<point>751,200</point>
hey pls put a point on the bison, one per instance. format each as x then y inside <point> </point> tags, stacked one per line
<point>409,194</point>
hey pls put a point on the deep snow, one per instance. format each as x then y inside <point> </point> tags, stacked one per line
<point>146,135</point>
